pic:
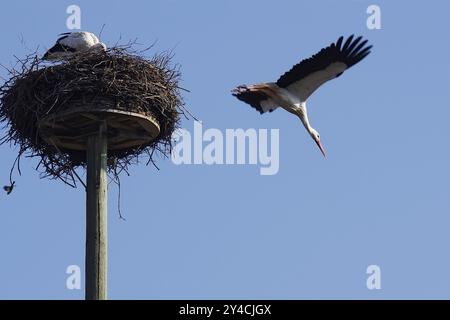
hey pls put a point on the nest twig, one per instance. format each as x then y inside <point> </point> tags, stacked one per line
<point>122,77</point>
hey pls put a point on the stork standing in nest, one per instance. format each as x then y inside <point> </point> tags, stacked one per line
<point>292,89</point>
<point>71,43</point>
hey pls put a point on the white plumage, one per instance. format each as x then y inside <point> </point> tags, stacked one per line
<point>294,87</point>
<point>71,43</point>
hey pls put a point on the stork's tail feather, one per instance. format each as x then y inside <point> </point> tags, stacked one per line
<point>239,90</point>
<point>254,96</point>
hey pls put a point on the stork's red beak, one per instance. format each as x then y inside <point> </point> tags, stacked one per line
<point>320,147</point>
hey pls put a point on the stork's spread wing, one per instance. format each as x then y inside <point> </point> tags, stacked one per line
<point>329,63</point>
<point>254,97</point>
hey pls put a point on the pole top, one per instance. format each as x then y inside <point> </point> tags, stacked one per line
<point>125,129</point>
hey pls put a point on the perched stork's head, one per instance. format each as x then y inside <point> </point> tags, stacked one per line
<point>99,47</point>
<point>316,137</point>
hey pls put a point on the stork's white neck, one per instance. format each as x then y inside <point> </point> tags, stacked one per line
<point>303,115</point>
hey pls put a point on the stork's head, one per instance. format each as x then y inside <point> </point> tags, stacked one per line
<point>316,137</point>
<point>100,47</point>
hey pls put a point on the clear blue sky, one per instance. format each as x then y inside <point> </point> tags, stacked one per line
<point>381,197</point>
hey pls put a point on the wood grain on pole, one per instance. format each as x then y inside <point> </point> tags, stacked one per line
<point>96,216</point>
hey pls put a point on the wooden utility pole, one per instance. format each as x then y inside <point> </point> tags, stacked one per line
<point>81,129</point>
<point>96,264</point>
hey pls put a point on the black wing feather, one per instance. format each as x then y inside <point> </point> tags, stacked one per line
<point>347,43</point>
<point>350,53</point>
<point>64,36</point>
<point>339,42</point>
<point>358,48</point>
<point>352,45</point>
<point>58,47</point>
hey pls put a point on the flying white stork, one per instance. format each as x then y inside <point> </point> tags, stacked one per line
<point>72,42</point>
<point>294,87</point>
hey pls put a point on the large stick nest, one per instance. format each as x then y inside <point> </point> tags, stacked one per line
<point>120,78</point>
